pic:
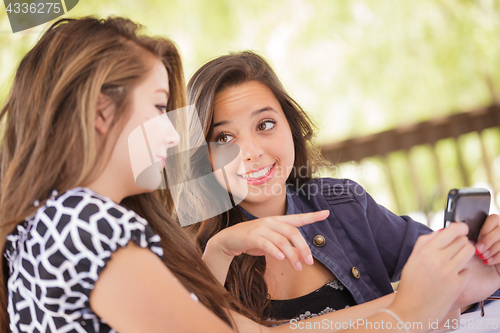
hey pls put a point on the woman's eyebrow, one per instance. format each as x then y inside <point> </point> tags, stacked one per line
<point>266,108</point>
<point>256,112</point>
<point>220,123</point>
<point>163,91</point>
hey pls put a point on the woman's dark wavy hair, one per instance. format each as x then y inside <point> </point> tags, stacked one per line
<point>245,279</point>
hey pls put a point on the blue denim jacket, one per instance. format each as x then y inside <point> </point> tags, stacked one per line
<point>363,244</point>
<point>366,246</point>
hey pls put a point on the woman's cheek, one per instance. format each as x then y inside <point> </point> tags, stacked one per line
<point>226,163</point>
<point>286,155</point>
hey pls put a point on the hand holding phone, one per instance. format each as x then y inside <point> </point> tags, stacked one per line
<point>469,205</point>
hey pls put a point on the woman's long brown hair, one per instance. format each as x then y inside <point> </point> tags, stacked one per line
<point>49,137</point>
<point>245,279</point>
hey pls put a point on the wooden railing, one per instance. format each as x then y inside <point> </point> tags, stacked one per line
<point>425,133</point>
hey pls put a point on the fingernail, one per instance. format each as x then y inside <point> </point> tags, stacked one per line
<point>440,229</point>
<point>480,256</point>
<point>299,266</point>
<point>310,259</point>
<point>485,261</point>
<point>480,247</point>
<point>478,253</point>
<point>280,256</point>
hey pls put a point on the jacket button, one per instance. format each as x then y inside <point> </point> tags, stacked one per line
<point>355,272</point>
<point>319,240</point>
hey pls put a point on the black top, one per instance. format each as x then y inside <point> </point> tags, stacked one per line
<point>330,297</point>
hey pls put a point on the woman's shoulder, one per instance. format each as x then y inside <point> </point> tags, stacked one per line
<point>331,187</point>
<point>96,218</point>
<point>84,204</point>
<point>80,220</point>
<point>329,181</point>
<point>87,209</point>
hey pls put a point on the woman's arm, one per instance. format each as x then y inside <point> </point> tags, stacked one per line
<point>352,314</point>
<point>137,293</point>
<point>485,265</point>
<point>326,322</point>
<point>358,318</point>
<point>217,260</point>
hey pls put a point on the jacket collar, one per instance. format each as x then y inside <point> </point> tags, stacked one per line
<point>291,208</point>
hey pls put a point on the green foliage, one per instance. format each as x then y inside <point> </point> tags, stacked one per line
<point>358,67</point>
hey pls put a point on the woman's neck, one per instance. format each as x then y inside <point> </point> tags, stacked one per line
<point>108,185</point>
<point>111,193</point>
<point>272,207</point>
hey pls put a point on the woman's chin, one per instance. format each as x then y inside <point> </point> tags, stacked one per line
<point>150,178</point>
<point>254,198</point>
<point>256,193</point>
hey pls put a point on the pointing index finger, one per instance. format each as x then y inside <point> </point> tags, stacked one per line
<point>298,220</point>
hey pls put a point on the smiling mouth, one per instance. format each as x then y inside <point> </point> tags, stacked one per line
<point>258,174</point>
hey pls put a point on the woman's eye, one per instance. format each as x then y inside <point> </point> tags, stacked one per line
<point>223,138</point>
<point>266,125</point>
<point>162,108</point>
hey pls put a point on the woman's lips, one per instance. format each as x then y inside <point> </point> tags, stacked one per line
<point>162,159</point>
<point>259,177</point>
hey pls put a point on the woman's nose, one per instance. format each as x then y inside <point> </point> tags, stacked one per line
<point>251,148</point>
<point>171,137</point>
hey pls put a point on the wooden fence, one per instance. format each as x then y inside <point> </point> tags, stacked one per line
<point>425,133</point>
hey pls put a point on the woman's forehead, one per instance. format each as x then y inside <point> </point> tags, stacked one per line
<point>158,75</point>
<point>244,98</point>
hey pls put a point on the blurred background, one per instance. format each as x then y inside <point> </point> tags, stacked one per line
<point>405,94</point>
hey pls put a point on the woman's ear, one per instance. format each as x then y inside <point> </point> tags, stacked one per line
<point>103,114</point>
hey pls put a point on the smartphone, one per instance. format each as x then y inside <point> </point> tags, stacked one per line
<point>468,205</point>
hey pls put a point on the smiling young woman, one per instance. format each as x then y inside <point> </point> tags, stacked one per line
<point>351,255</point>
<point>265,141</point>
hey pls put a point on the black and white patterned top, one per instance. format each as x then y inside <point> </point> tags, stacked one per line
<point>56,256</point>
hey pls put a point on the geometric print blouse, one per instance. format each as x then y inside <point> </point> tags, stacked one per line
<point>55,257</point>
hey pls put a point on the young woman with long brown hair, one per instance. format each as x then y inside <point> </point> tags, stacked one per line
<point>85,248</point>
<point>358,250</point>
<point>64,168</point>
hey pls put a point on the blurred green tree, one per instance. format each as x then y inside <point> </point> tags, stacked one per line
<point>358,67</point>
